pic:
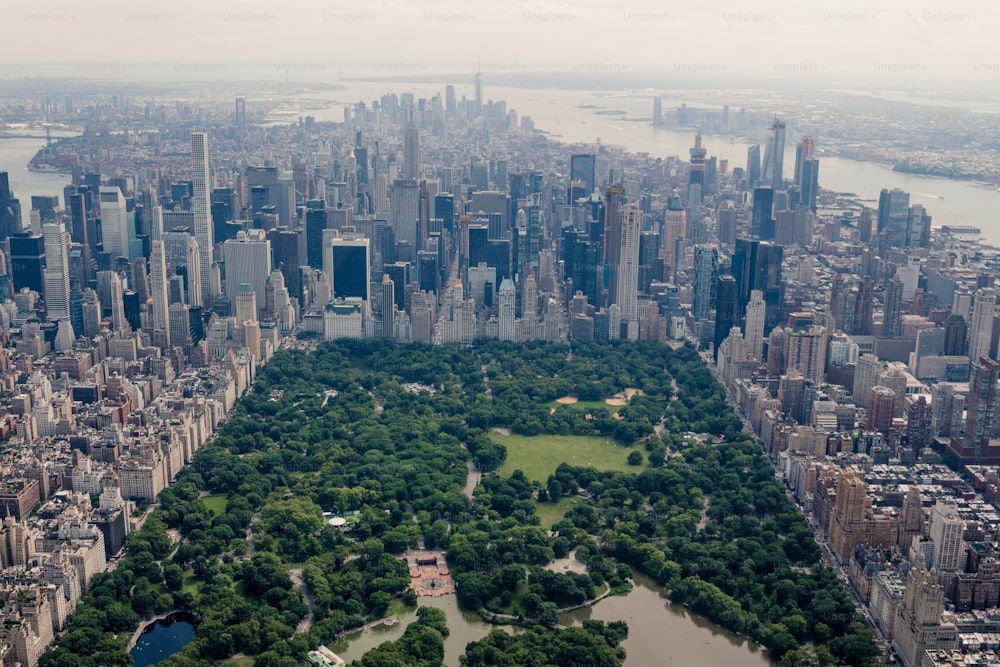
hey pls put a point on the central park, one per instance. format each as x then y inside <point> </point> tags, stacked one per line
<point>621,460</point>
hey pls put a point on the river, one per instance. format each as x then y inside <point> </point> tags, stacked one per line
<point>660,632</point>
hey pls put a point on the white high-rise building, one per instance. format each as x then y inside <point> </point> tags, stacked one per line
<point>507,304</point>
<point>628,270</point>
<point>114,223</point>
<point>202,209</point>
<point>56,272</point>
<point>946,529</point>
<point>755,325</point>
<point>192,264</point>
<point>118,321</point>
<point>248,260</point>
<point>158,289</point>
<point>981,325</point>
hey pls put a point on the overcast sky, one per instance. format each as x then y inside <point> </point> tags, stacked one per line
<point>872,44</point>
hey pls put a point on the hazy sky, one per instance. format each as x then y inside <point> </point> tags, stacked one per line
<point>877,44</point>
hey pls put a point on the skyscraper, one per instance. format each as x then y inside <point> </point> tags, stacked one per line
<point>56,272</point>
<point>411,149</point>
<point>757,266</point>
<point>981,323</point>
<point>351,268</point>
<point>158,288</point>
<point>982,402</point>
<point>201,206</point>
<point>506,311</point>
<point>956,333</point>
<point>892,321</point>
<point>628,270</point>
<point>755,313</point>
<point>387,305</point>
<point>725,311</point>
<point>582,168</point>
<point>894,216</point>
<point>762,225</point>
<point>706,267</point>
<point>248,260</point>
<point>114,223</point>
<point>809,186</point>
<point>612,241</point>
<point>753,165</point>
<point>865,376</point>
<point>774,157</point>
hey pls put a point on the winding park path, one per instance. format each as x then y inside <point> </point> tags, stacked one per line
<point>295,574</point>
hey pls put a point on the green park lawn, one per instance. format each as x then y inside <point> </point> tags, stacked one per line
<point>538,456</point>
<point>215,503</point>
<point>552,513</point>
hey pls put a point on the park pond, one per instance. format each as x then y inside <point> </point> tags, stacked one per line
<point>162,638</point>
<point>660,632</point>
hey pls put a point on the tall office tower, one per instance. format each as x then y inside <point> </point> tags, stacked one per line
<point>116,294</point>
<point>91,310</point>
<point>248,260</point>
<point>864,307</point>
<point>865,376</point>
<point>674,228</point>
<point>762,224</point>
<point>865,225</point>
<point>529,299</point>
<point>696,171</point>
<point>981,323</point>
<point>894,216</point>
<point>201,206</point>
<point>582,167</point>
<point>628,270</point>
<point>956,333</point>
<point>753,165</point>
<point>180,324</point>
<point>478,100</point>
<point>981,411</point>
<point>756,310</point>
<point>757,266</point>
<point>706,268</point>
<point>809,189</point>
<point>404,205</point>
<point>387,306</point>
<point>240,115</point>
<point>450,104</point>
<point>56,272</point>
<point>803,151</point>
<point>881,404</point>
<point>612,241</point>
<point>892,320</point>
<point>158,288</point>
<point>946,529</point>
<point>114,223</point>
<point>10,209</point>
<point>245,303</point>
<point>725,312</point>
<point>918,227</point>
<point>351,268</point>
<point>27,261</point>
<point>506,310</point>
<point>657,110</point>
<point>192,266</point>
<point>411,149</point>
<point>774,157</point>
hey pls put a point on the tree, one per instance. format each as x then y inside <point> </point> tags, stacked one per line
<point>635,458</point>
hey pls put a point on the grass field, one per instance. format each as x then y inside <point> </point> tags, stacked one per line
<point>538,456</point>
<point>550,513</point>
<point>215,503</point>
<point>192,584</point>
<point>586,406</point>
